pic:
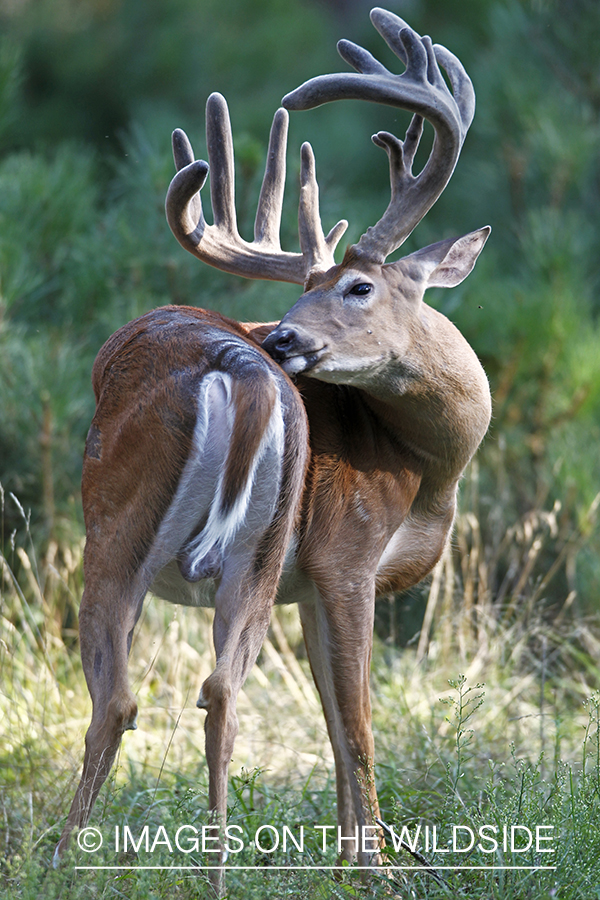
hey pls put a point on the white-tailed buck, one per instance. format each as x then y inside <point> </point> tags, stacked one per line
<point>202,480</point>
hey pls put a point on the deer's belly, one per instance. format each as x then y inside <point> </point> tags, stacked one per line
<point>169,584</point>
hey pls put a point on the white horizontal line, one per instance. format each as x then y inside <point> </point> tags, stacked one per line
<point>266,868</point>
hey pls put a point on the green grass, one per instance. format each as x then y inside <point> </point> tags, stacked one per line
<point>522,749</point>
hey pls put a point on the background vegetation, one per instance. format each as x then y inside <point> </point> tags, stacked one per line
<point>89,93</point>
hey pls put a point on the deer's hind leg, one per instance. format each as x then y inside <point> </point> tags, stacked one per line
<point>128,477</point>
<point>109,611</point>
<point>251,568</point>
<point>242,613</point>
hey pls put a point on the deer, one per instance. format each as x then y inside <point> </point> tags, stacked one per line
<point>315,461</point>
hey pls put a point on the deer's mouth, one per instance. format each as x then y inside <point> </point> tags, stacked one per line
<point>288,348</point>
<point>302,362</point>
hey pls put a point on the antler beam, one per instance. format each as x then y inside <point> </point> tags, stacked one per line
<point>420,89</point>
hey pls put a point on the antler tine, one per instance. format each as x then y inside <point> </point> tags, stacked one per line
<point>389,26</point>
<point>220,244</point>
<point>219,143</point>
<point>270,202</point>
<point>182,149</point>
<point>360,59</point>
<point>183,205</point>
<point>316,248</point>
<point>420,89</point>
<point>462,86</point>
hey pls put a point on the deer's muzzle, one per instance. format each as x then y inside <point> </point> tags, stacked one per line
<point>295,351</point>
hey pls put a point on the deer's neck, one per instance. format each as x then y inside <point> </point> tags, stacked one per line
<point>435,397</point>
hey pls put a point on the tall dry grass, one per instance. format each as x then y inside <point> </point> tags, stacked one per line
<point>484,617</point>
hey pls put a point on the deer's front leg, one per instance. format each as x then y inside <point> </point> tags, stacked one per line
<point>338,632</point>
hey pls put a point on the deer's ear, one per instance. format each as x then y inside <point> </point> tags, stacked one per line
<point>448,262</point>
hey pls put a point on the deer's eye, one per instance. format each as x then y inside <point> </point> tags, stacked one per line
<point>361,290</point>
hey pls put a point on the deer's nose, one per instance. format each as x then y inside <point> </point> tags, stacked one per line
<point>281,343</point>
